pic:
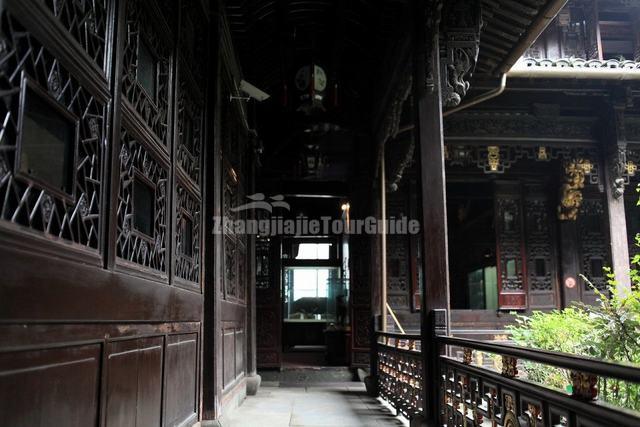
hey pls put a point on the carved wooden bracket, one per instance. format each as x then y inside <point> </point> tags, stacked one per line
<point>509,366</point>
<point>584,385</point>
<point>571,193</point>
<point>467,356</point>
<point>461,25</point>
<point>618,171</point>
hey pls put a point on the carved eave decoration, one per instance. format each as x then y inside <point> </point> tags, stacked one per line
<point>571,191</point>
<point>497,159</point>
<point>513,126</point>
<point>460,45</point>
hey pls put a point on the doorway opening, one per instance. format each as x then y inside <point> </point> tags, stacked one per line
<point>314,303</point>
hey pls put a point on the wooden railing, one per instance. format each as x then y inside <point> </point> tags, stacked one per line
<point>472,394</point>
<point>399,367</point>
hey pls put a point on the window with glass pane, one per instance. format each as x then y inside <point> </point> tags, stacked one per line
<point>313,251</point>
<point>311,292</point>
<point>147,69</point>
<point>143,207</point>
<point>47,142</point>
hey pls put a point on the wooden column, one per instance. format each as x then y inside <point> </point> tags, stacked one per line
<point>569,263</point>
<point>614,168</point>
<point>253,379</point>
<point>430,155</point>
<point>212,254</point>
<point>383,243</point>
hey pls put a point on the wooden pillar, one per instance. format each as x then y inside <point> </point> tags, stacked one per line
<point>253,379</point>
<point>383,243</point>
<point>430,155</point>
<point>614,168</point>
<point>212,253</point>
<point>569,263</point>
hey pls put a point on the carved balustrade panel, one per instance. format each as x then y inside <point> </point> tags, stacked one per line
<point>400,373</point>
<point>474,393</point>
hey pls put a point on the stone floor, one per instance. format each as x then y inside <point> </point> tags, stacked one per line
<point>336,405</point>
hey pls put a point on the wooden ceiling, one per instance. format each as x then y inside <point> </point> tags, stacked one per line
<point>270,35</point>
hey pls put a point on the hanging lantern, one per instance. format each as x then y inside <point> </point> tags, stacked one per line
<point>311,83</point>
<point>312,160</point>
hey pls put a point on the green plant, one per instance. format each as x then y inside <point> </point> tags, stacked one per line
<point>608,330</point>
<point>559,330</point>
<point>615,321</point>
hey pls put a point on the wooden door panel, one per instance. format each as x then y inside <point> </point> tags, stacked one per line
<point>134,382</point>
<point>180,389</point>
<point>228,357</point>
<point>44,379</point>
<point>510,256</point>
<point>539,224</point>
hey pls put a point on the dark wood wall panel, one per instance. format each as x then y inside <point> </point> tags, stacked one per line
<point>62,290</point>
<point>99,317</point>
<point>180,390</point>
<point>240,352</point>
<point>134,382</point>
<point>43,379</point>
<point>228,356</point>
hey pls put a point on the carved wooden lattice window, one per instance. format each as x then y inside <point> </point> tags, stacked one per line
<point>510,251</point>
<point>541,266</point>
<point>231,244</point>
<point>146,66</point>
<point>188,141</point>
<point>188,236</point>
<point>141,172</point>
<point>47,113</point>
<point>86,22</point>
<point>190,128</point>
<point>263,263</point>
<point>398,272</point>
<point>593,242</point>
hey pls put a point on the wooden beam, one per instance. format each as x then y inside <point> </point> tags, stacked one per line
<point>430,155</point>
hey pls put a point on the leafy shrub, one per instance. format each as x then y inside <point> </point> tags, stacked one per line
<point>559,330</point>
<point>609,330</point>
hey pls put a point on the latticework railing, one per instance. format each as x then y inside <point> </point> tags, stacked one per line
<point>400,372</point>
<point>470,393</point>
